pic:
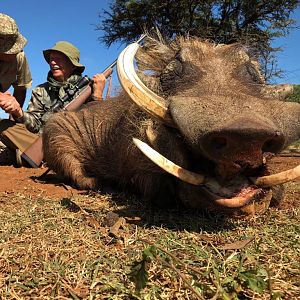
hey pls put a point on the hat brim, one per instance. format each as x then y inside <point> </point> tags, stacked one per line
<point>78,66</point>
<point>16,46</point>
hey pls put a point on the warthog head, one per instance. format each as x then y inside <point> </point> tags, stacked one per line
<point>198,111</point>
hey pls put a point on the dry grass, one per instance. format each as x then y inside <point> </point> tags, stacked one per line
<point>67,249</point>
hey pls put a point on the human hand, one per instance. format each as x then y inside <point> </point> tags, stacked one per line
<point>10,105</point>
<point>99,83</point>
<point>107,72</point>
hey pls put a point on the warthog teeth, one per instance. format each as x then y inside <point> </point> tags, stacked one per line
<point>169,166</point>
<point>199,179</point>
<point>135,88</point>
<point>238,201</point>
<point>191,177</point>
<point>279,178</point>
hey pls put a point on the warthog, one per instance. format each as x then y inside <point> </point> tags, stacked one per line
<point>197,125</point>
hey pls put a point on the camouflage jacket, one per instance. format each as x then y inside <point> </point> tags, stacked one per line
<point>44,96</point>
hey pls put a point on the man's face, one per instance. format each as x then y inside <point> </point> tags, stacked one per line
<point>60,66</point>
<point>7,57</point>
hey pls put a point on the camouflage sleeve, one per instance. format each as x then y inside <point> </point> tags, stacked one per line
<point>33,117</point>
<point>39,108</point>
<point>23,72</point>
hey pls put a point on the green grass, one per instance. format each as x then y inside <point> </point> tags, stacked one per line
<point>295,97</point>
<point>65,250</point>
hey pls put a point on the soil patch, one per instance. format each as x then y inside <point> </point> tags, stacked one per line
<point>32,183</point>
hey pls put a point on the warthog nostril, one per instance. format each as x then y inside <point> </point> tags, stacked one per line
<point>244,143</point>
<point>273,144</point>
<point>270,146</point>
<point>218,143</point>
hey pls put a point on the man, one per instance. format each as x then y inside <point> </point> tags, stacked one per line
<point>65,72</point>
<point>14,69</point>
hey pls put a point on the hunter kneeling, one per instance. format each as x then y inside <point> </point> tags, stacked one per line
<point>64,83</point>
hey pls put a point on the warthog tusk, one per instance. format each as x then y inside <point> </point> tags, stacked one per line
<point>135,88</point>
<point>240,200</point>
<point>169,166</point>
<point>279,178</point>
<point>236,202</point>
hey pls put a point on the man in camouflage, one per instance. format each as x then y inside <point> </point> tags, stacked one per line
<point>14,69</point>
<point>65,72</point>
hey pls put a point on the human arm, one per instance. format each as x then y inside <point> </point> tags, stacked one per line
<point>23,79</point>
<point>38,107</point>
<point>20,94</point>
<point>99,84</point>
<point>10,105</point>
<point>37,112</point>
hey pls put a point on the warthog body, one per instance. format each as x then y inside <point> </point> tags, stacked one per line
<point>224,126</point>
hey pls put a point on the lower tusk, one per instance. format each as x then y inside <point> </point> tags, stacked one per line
<point>169,166</point>
<point>279,178</point>
<point>235,202</point>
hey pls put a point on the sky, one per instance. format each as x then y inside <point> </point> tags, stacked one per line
<point>44,23</point>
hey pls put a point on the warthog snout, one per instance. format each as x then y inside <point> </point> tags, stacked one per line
<point>243,141</point>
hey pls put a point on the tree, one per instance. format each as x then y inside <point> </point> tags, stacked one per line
<point>254,23</point>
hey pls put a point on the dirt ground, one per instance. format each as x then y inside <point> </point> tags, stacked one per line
<point>28,182</point>
<point>32,182</point>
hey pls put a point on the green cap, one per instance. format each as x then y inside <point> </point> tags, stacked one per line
<point>67,49</point>
<point>11,40</point>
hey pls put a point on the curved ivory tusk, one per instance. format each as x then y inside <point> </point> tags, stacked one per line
<point>238,201</point>
<point>169,166</point>
<point>279,178</point>
<point>135,88</point>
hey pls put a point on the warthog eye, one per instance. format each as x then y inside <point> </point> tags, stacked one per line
<point>171,73</point>
<point>274,144</point>
<point>250,71</point>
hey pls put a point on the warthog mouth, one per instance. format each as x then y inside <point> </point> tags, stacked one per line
<point>236,193</point>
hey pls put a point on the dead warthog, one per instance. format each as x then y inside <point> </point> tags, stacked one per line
<point>196,125</point>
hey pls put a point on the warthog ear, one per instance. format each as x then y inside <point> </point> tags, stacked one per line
<point>252,68</point>
<point>277,91</point>
<point>152,59</point>
<point>170,75</point>
<point>154,55</point>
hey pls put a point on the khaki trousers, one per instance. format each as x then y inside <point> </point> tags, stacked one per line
<point>15,135</point>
